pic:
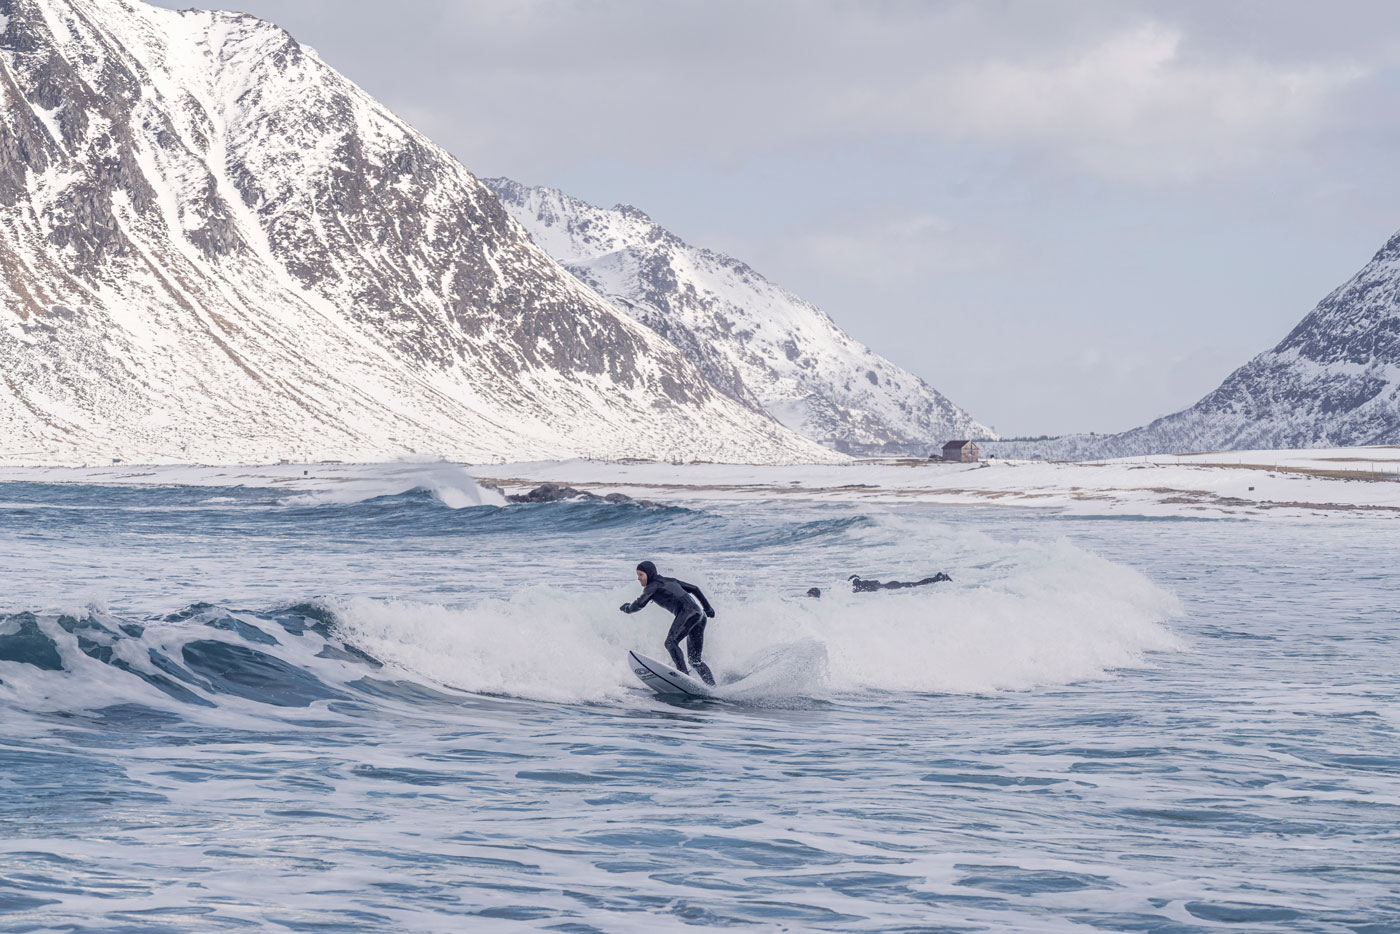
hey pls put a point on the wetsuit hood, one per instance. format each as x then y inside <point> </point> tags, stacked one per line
<point>649,569</point>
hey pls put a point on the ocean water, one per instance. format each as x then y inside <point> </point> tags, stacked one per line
<point>378,709</point>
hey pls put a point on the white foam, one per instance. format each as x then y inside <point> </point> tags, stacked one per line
<point>1047,614</point>
<point>541,643</point>
<point>1067,620</point>
<point>449,483</point>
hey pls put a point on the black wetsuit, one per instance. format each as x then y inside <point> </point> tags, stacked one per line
<point>859,585</point>
<point>689,623</point>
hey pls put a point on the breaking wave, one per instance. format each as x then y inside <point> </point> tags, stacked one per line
<point>1068,617</point>
<point>435,583</point>
<point>1060,615</point>
<point>449,484</point>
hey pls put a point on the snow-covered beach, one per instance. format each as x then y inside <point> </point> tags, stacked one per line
<point>1237,483</point>
<point>1252,484</point>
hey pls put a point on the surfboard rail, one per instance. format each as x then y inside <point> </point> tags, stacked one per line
<point>664,679</point>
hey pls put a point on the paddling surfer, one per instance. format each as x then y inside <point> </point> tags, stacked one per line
<point>862,585</point>
<point>690,609</point>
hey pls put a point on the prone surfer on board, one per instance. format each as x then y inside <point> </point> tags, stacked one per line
<point>675,596</point>
<point>862,585</point>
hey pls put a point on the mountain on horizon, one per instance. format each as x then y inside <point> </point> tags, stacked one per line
<point>757,343</point>
<point>1334,381</point>
<point>214,247</point>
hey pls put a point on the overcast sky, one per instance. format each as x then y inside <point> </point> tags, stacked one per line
<point>1069,216</point>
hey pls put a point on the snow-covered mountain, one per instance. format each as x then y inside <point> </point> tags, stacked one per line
<point>755,341</point>
<point>215,247</point>
<point>1334,381</point>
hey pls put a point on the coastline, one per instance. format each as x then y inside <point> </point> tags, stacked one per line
<point>1238,484</point>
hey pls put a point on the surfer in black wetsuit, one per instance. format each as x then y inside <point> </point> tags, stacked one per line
<point>861,585</point>
<point>689,622</point>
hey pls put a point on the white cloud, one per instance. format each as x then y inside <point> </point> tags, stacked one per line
<point>1130,106</point>
<point>1138,101</point>
<point>1132,90</point>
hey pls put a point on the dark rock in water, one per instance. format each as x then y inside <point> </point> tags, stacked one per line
<point>554,493</point>
<point>550,493</point>
<point>622,499</point>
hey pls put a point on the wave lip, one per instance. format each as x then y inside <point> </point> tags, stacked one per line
<point>450,484</point>
<point>203,657</point>
<point>1016,616</point>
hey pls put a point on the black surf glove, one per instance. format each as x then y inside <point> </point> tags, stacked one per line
<point>626,608</point>
<point>710,613</point>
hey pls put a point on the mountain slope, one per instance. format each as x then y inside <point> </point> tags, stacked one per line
<point>215,247</point>
<point>1334,381</point>
<point>754,341</point>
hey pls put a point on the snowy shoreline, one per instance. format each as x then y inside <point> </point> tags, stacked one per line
<point>1324,482</point>
<point>1242,484</point>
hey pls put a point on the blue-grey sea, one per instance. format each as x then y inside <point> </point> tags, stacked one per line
<point>242,709</point>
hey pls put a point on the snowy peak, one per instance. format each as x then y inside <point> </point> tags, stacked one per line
<point>757,343</point>
<point>1334,381</point>
<point>216,246</point>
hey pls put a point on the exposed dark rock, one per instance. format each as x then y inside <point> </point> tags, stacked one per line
<point>550,493</point>
<point>554,493</point>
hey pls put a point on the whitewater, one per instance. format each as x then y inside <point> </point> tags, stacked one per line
<point>402,704</point>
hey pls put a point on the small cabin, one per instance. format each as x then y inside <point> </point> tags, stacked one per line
<point>960,452</point>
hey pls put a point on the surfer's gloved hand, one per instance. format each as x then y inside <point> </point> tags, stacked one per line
<point>626,608</point>
<point>710,613</point>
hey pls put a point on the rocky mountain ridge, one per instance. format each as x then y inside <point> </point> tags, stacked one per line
<point>214,247</point>
<point>1333,381</point>
<point>756,342</point>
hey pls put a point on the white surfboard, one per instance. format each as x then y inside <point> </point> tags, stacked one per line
<point>663,679</point>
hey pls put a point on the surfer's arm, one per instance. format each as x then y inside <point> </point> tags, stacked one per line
<point>697,594</point>
<point>641,601</point>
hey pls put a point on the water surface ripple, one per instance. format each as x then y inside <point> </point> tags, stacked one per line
<point>238,709</point>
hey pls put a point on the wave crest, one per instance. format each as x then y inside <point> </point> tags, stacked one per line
<point>450,484</point>
<point>1057,615</point>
